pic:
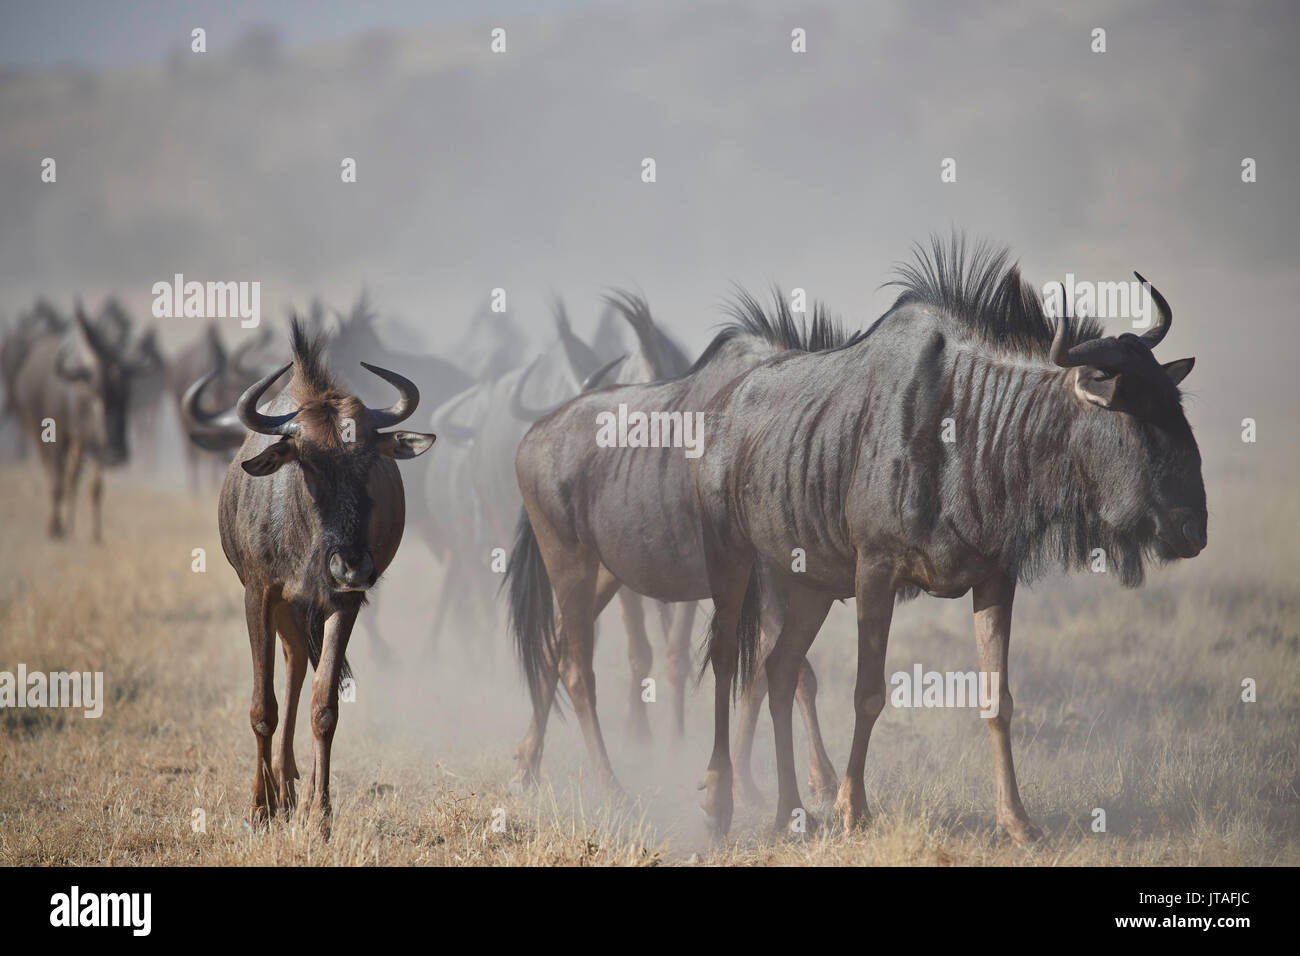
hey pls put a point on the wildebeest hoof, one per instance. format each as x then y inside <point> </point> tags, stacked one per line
<point>525,777</point>
<point>717,805</point>
<point>717,827</point>
<point>1022,832</point>
<point>823,790</point>
<point>797,824</point>
<point>321,821</point>
<point>853,813</point>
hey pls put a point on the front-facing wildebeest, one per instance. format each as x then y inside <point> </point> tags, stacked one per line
<point>72,392</point>
<point>1059,441</point>
<point>600,518</point>
<point>311,513</point>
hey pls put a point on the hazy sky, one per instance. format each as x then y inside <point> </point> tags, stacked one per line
<point>522,170</point>
<point>101,33</point>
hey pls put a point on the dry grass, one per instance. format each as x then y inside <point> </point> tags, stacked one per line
<point>1125,700</point>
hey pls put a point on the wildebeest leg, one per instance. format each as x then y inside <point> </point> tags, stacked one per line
<point>582,596</point>
<point>294,643</point>
<point>262,715</point>
<point>679,662</point>
<point>529,754</point>
<point>805,612</point>
<point>992,601</point>
<point>874,591</point>
<point>821,772</point>
<point>640,657</point>
<point>751,703</point>
<point>76,458</point>
<point>728,577</point>
<point>772,618</point>
<point>97,501</point>
<point>56,460</point>
<point>325,710</point>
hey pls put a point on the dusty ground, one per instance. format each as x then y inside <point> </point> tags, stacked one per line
<point>1125,700</point>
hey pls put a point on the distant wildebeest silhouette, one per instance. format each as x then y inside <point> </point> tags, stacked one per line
<point>231,371</point>
<point>71,389</point>
<point>656,356</point>
<point>311,513</point>
<point>1062,441</point>
<point>471,498</point>
<point>597,519</point>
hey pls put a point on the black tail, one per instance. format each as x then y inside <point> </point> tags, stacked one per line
<point>532,607</point>
<point>748,629</point>
<point>315,631</point>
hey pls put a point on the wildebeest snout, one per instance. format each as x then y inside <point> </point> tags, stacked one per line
<point>352,572</point>
<point>1192,531</point>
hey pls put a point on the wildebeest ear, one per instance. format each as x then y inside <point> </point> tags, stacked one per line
<point>1177,371</point>
<point>404,444</point>
<point>1095,385</point>
<point>270,461</point>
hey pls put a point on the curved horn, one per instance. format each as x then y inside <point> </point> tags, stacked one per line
<point>113,315</point>
<point>240,353</point>
<point>73,372</point>
<point>94,341</point>
<point>577,353</point>
<point>593,380</point>
<point>1060,355</point>
<point>246,408</point>
<point>213,432</point>
<point>526,414</point>
<point>1100,353</point>
<point>636,311</point>
<point>517,406</point>
<point>461,435</point>
<point>1164,315</point>
<point>403,408</point>
<point>148,359</point>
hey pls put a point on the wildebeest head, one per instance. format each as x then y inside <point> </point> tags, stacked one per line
<point>335,442</point>
<point>105,372</point>
<point>1146,461</point>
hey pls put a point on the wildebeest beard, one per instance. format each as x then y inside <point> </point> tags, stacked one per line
<point>1059,523</point>
<point>340,506</point>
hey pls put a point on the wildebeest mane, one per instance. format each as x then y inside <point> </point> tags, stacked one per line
<point>778,326</point>
<point>983,293</point>
<point>311,375</point>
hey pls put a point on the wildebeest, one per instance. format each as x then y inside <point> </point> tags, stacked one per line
<point>655,357</point>
<point>231,371</point>
<point>598,518</point>
<point>959,444</point>
<point>311,513</point>
<point>471,498</point>
<point>42,320</point>
<point>356,338</point>
<point>72,390</point>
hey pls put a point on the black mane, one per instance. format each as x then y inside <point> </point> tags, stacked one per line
<point>778,326</point>
<point>984,294</point>
<point>309,365</point>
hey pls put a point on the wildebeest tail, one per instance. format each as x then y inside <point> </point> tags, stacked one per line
<point>315,631</point>
<point>532,606</point>
<point>748,632</point>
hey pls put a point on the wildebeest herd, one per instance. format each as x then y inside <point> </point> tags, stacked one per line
<point>965,441</point>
